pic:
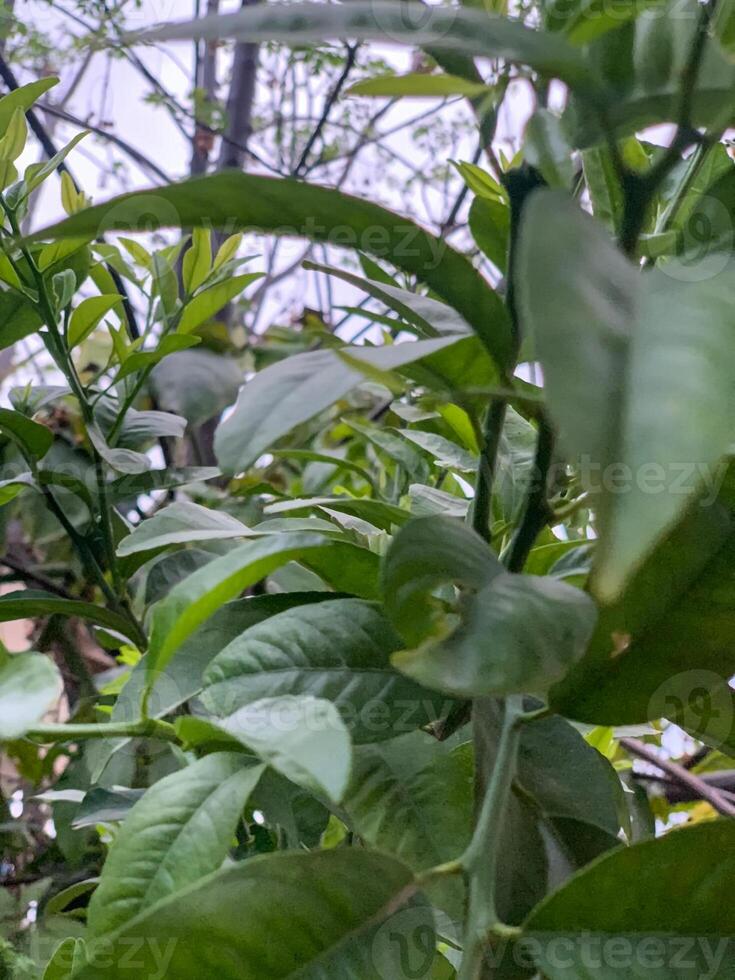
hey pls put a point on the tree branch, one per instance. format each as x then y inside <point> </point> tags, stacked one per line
<point>679,774</point>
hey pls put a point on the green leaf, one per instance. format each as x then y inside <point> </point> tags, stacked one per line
<point>227,250</point>
<point>285,206</point>
<point>609,345</point>
<point>102,805</point>
<point>194,600</point>
<point>197,261</point>
<point>33,437</point>
<point>18,318</point>
<point>144,359</point>
<point>296,389</point>
<point>180,831</point>
<point>430,317</point>
<point>30,684</point>
<point>68,957</point>
<point>36,173</point>
<point>663,649</point>
<point>332,914</point>
<point>182,679</point>
<point>389,442</point>
<point>301,737</point>
<point>565,778</point>
<point>588,910</point>
<point>87,316</point>
<point>471,32</point>
<point>490,226</point>
<point>181,523</point>
<point>426,553</point>
<point>13,142</point>
<point>29,603</point>
<point>127,487</point>
<point>418,85</point>
<point>9,489</point>
<point>338,650</point>
<point>23,98</point>
<point>165,281</point>
<point>197,384</point>
<point>139,429</point>
<point>206,304</point>
<point>413,797</point>
<point>548,150</point>
<point>170,569</point>
<point>519,634</point>
<point>123,460</point>
<point>445,453</point>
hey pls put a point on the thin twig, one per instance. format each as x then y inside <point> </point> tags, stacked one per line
<point>680,775</point>
<point>28,575</point>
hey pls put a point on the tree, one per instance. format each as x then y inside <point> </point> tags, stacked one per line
<point>378,679</point>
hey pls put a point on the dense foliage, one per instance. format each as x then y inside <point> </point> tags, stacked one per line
<point>372,685</point>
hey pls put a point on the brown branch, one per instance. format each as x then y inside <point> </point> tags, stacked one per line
<point>716,799</point>
<point>240,102</point>
<point>33,578</point>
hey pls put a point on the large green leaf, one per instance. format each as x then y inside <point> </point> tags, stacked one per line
<point>182,678</point>
<point>633,912</point>
<point>610,343</point>
<point>290,207</point>
<point>471,32</point>
<point>666,642</point>
<point>338,650</point>
<point>273,917</point>
<point>29,603</point>
<point>567,778</point>
<point>519,634</point>
<point>426,553</point>
<point>414,797</point>
<point>30,684</point>
<point>300,736</point>
<point>181,523</point>
<point>296,389</point>
<point>194,600</point>
<point>180,831</point>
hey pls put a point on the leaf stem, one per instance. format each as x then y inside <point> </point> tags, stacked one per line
<point>149,728</point>
<point>537,511</point>
<point>492,431</point>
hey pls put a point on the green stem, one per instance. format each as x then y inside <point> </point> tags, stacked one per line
<point>492,431</point>
<point>58,350</point>
<point>537,512</point>
<point>150,728</point>
<point>480,860</point>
